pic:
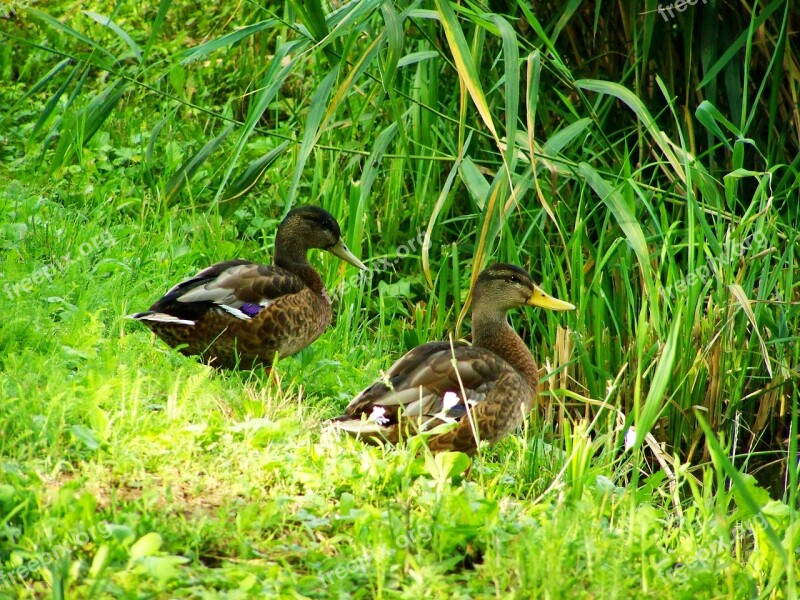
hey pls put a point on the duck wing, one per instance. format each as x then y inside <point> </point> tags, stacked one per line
<point>239,287</point>
<point>432,380</point>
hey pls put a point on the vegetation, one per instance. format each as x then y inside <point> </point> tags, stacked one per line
<point>643,166</point>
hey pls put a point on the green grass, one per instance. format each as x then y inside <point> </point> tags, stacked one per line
<point>132,157</point>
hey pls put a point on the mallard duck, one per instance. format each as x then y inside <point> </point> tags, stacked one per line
<point>426,388</point>
<point>239,313</point>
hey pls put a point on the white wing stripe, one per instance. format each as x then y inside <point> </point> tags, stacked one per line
<point>234,311</point>
<point>163,318</point>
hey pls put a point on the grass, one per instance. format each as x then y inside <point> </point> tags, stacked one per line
<point>663,462</point>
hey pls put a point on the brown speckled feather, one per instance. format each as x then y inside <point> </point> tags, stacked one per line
<point>292,318</point>
<point>412,397</point>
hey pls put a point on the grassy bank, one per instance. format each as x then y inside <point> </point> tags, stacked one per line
<point>646,177</point>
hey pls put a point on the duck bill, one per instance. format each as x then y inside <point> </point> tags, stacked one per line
<point>340,250</point>
<point>542,299</point>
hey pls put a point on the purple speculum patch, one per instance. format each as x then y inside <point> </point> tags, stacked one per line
<point>250,309</point>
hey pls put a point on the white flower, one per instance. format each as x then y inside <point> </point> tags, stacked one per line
<point>377,415</point>
<point>450,400</point>
<point>630,438</point>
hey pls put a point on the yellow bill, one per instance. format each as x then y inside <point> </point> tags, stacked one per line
<point>542,299</point>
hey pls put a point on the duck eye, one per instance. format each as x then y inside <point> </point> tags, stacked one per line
<point>514,279</point>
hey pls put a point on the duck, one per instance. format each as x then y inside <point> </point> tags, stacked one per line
<point>241,314</point>
<point>459,394</point>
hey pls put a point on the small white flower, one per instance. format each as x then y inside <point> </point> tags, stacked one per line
<point>630,438</point>
<point>377,415</point>
<point>450,400</point>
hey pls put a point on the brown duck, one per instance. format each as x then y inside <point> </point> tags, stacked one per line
<point>496,375</point>
<point>239,313</point>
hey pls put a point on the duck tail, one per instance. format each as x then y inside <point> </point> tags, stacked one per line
<point>159,317</point>
<point>356,427</point>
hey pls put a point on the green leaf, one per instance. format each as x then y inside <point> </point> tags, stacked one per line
<point>147,545</point>
<point>155,30</point>
<point>394,38</point>
<point>559,140</point>
<point>476,183</point>
<point>416,57</point>
<point>744,303</point>
<point>344,20</point>
<point>77,129</point>
<point>271,83</point>
<point>53,101</point>
<point>67,30</point>
<point>100,561</point>
<point>709,116</point>
<point>189,168</point>
<point>198,52</point>
<point>373,162</point>
<point>357,70</point>
<point>640,110</point>
<point>313,17</point>
<point>622,214</point>
<point>742,491</point>
<point>107,22</point>
<point>511,67</point>
<point>39,85</point>
<point>7,494</point>
<point>736,47</point>
<point>465,65</point>
<point>163,568</point>
<point>437,208</point>
<point>86,436</point>
<point>653,404</point>
<point>316,112</point>
<point>243,184</point>
<point>445,465</point>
